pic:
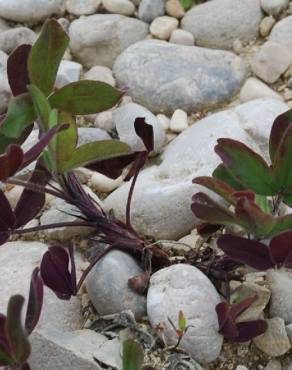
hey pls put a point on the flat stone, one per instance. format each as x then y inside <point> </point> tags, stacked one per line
<point>99,39</point>
<point>163,76</point>
<point>90,134</point>
<point>18,259</point>
<point>184,287</point>
<point>218,23</point>
<point>182,37</point>
<point>68,72</point>
<point>124,118</point>
<point>107,285</point>
<point>30,10</point>
<point>124,7</point>
<point>274,342</point>
<point>255,89</point>
<point>281,33</point>
<point>162,27</point>
<point>249,123</point>
<point>82,7</point>
<point>274,7</point>
<point>151,9</point>
<point>271,61</point>
<point>14,37</point>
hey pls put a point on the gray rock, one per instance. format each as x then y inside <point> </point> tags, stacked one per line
<point>107,285</point>
<point>281,299</point>
<point>151,9</point>
<point>273,365</point>
<point>289,332</point>
<point>163,76</point>
<point>5,93</point>
<point>274,7</point>
<point>89,134</point>
<point>271,61</point>
<point>123,7</point>
<point>184,287</point>
<point>18,259</point>
<point>255,89</point>
<point>218,23</point>
<point>241,367</point>
<point>182,37</point>
<point>274,342</point>
<point>29,10</point>
<point>68,72</point>
<point>66,351</point>
<point>124,118</point>
<point>180,163</point>
<point>82,7</point>
<point>162,27</point>
<point>100,73</point>
<point>99,39</point>
<point>281,33</point>
<point>11,39</point>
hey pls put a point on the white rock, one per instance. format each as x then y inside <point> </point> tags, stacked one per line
<point>164,121</point>
<point>180,163</point>
<point>271,61</point>
<point>184,287</point>
<point>82,7</point>
<point>241,367</point>
<point>124,118</point>
<point>104,120</point>
<point>30,10</point>
<point>104,184</point>
<point>68,72</point>
<point>98,39</point>
<point>266,25</point>
<point>14,37</point>
<point>274,7</point>
<point>90,134</point>
<point>255,89</point>
<point>162,27</point>
<point>151,9</point>
<point>100,73</point>
<point>182,37</point>
<point>124,7</point>
<point>179,121</point>
<point>3,25</point>
<point>5,93</point>
<point>174,9</point>
<point>273,365</point>
<point>107,285</point>
<point>281,33</point>
<point>18,259</point>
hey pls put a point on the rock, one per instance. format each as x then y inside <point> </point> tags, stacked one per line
<point>67,351</point>
<point>218,23</point>
<point>107,285</point>
<point>247,290</point>
<point>99,39</point>
<point>182,37</point>
<point>164,76</point>
<point>3,25</point>
<point>255,89</point>
<point>100,73</point>
<point>241,367</point>
<point>5,93</point>
<point>274,7</point>
<point>179,121</point>
<point>174,9</point>
<point>164,121</point>
<point>68,72</point>
<point>289,332</point>
<point>172,178</point>
<point>266,26</point>
<point>104,120</point>
<point>151,9</point>
<point>104,184</point>
<point>29,10</point>
<point>162,27</point>
<point>14,37</point>
<point>123,7</point>
<point>18,259</point>
<point>124,118</point>
<point>281,298</point>
<point>281,33</point>
<point>274,342</point>
<point>89,134</point>
<point>82,7</point>
<point>271,61</point>
<point>110,354</point>
<point>184,287</point>
<point>273,365</point>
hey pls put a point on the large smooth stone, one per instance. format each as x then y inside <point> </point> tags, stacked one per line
<point>184,287</point>
<point>218,23</point>
<point>163,76</point>
<point>99,39</point>
<point>162,196</point>
<point>281,33</point>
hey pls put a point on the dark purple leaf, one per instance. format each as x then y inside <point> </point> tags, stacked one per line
<point>25,367</point>
<point>217,186</point>
<point>250,329</point>
<point>10,162</point>
<point>35,301</point>
<point>31,202</point>
<point>227,325</point>
<point>237,309</point>
<point>281,249</point>
<point>5,350</point>
<point>55,272</point>
<point>145,133</point>
<point>17,70</point>
<point>137,165</point>
<point>205,230</point>
<point>250,252</point>
<point>7,218</point>
<point>280,125</point>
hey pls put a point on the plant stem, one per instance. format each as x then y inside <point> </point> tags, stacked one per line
<point>130,196</point>
<point>53,226</point>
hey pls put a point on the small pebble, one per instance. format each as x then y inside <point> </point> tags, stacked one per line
<point>104,120</point>
<point>104,184</point>
<point>100,73</point>
<point>162,27</point>
<point>182,37</point>
<point>82,7</point>
<point>174,9</point>
<point>179,121</point>
<point>237,46</point>
<point>123,7</point>
<point>253,88</point>
<point>266,26</point>
<point>274,7</point>
<point>164,121</point>
<point>273,365</point>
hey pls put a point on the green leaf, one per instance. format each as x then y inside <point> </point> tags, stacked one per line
<point>46,55</point>
<point>187,4</point>
<point>20,115</point>
<point>41,106</point>
<point>246,166</point>
<point>6,141</point>
<point>85,97</point>
<point>93,152</point>
<point>133,355</point>
<point>17,337</point>
<point>280,125</point>
<point>182,322</point>
<point>263,203</point>
<point>221,173</point>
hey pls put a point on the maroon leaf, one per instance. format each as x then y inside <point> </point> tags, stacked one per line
<point>145,132</point>
<point>35,301</point>
<point>217,186</point>
<point>10,162</point>
<point>5,349</point>
<point>240,307</point>
<point>250,329</point>
<point>280,125</point>
<point>250,252</point>
<point>205,230</point>
<point>281,249</point>
<point>227,325</point>
<point>55,272</point>
<point>17,70</point>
